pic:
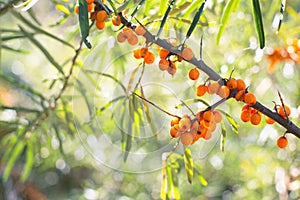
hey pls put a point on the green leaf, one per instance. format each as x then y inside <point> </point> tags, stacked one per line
<point>84,22</point>
<point>229,8</point>
<point>282,10</point>
<point>191,101</point>
<point>189,164</point>
<point>175,183</point>
<point>202,180</point>
<point>223,136</point>
<point>258,23</point>
<point>165,16</point>
<point>15,154</point>
<point>131,79</point>
<point>137,8</point>
<point>164,184</point>
<point>29,161</point>
<point>63,9</point>
<point>232,122</point>
<point>43,50</point>
<point>195,20</point>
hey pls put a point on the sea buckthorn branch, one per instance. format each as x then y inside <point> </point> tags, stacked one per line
<point>200,64</point>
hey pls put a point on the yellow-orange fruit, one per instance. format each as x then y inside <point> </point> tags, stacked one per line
<point>76,9</point>
<point>175,121</point>
<point>208,115</point>
<point>269,120</point>
<point>249,99</point>
<point>187,139</point>
<point>240,84</point>
<point>201,90</point>
<point>213,87</point>
<point>208,135</point>
<point>128,32</point>
<point>184,124</point>
<point>174,131</point>
<point>282,142</point>
<point>282,113</point>
<point>231,83</point>
<point>223,92</point>
<point>172,68</point>
<point>100,25</point>
<point>140,30</point>
<point>116,20</point>
<point>194,74</point>
<point>163,64</point>
<point>89,1</point>
<point>144,52</point>
<point>149,58</point>
<point>137,53</point>
<point>133,40</point>
<point>187,53</point>
<point>240,95</point>
<point>217,116</point>
<point>121,37</point>
<point>163,53</point>
<point>255,118</point>
<point>101,16</point>
<point>245,115</point>
<point>90,7</point>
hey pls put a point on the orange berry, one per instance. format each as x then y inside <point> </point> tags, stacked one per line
<point>76,9</point>
<point>187,139</point>
<point>240,84</point>
<point>100,25</point>
<point>231,83</point>
<point>101,16</point>
<point>163,53</point>
<point>201,90</point>
<point>207,116</point>
<point>128,32</point>
<point>179,58</point>
<point>245,115</point>
<point>269,120</point>
<point>172,68</point>
<point>208,135</point>
<point>194,127</point>
<point>196,137</point>
<point>240,95</point>
<point>249,99</point>
<point>282,142</point>
<point>116,20</point>
<point>144,52</point>
<point>217,116</point>
<point>194,74</point>
<point>149,58</point>
<point>255,118</point>
<point>163,64</point>
<point>140,30</point>
<point>223,92</point>
<point>175,121</point>
<point>121,37</point>
<point>89,1</point>
<point>174,131</point>
<point>246,107</point>
<point>137,53</point>
<point>90,7</point>
<point>282,113</point>
<point>133,40</point>
<point>213,87</point>
<point>184,124</point>
<point>187,53</point>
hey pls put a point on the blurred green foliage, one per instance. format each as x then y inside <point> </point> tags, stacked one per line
<point>68,122</point>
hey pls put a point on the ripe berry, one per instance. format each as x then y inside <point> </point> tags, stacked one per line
<point>201,90</point>
<point>250,99</point>
<point>89,1</point>
<point>245,115</point>
<point>144,52</point>
<point>269,120</point>
<point>76,9</point>
<point>282,113</point>
<point>175,121</point>
<point>223,91</point>
<point>184,124</point>
<point>133,40</point>
<point>172,68</point>
<point>163,64</point>
<point>240,95</point>
<point>240,84</point>
<point>282,142</point>
<point>207,116</point>
<point>163,53</point>
<point>187,53</point>
<point>194,74</point>
<point>116,20</point>
<point>101,16</point>
<point>231,83</point>
<point>121,37</point>
<point>140,30</point>
<point>217,116</point>
<point>213,87</point>
<point>90,7</point>
<point>187,139</point>
<point>255,118</point>
<point>100,25</point>
<point>137,53</point>
<point>174,131</point>
<point>149,58</point>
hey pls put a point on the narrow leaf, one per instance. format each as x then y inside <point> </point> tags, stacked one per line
<point>165,17</point>
<point>169,182</point>
<point>17,151</point>
<point>282,10</point>
<point>63,9</point>
<point>258,23</point>
<point>223,136</point>
<point>232,122</point>
<point>163,189</point>
<point>202,180</point>
<point>195,20</point>
<point>189,165</point>
<point>229,8</point>
<point>175,183</point>
<point>84,22</point>
<point>191,101</point>
<point>137,8</point>
<point>131,79</point>
<point>29,161</point>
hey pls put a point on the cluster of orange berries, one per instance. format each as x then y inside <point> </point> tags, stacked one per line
<point>144,53</point>
<point>289,53</point>
<point>98,13</point>
<point>191,129</point>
